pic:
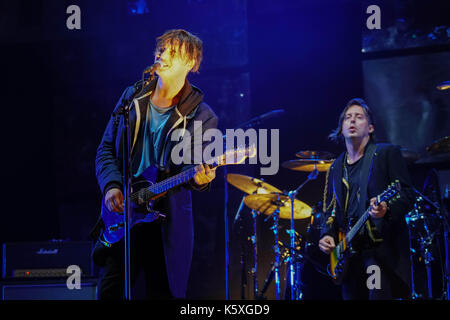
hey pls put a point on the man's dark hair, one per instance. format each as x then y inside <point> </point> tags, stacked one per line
<point>179,37</point>
<point>336,135</point>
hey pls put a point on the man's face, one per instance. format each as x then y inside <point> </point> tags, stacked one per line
<point>174,61</point>
<point>356,124</point>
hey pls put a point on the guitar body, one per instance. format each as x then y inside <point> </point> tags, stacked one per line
<point>339,260</point>
<point>141,209</point>
<point>339,256</point>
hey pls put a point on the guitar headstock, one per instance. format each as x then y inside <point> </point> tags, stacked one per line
<point>236,156</point>
<point>391,193</point>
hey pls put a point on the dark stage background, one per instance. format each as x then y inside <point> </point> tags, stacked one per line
<point>309,58</point>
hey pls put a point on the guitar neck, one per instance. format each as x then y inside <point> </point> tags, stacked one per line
<point>231,157</point>
<point>358,225</point>
<point>173,181</point>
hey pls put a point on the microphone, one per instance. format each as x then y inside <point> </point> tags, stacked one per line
<point>153,67</point>
<point>270,114</point>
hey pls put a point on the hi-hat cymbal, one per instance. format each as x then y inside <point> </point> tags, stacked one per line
<point>307,165</point>
<point>250,185</point>
<point>410,155</point>
<point>441,145</point>
<point>267,204</point>
<point>314,155</point>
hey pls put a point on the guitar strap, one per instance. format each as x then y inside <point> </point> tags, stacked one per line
<point>364,176</point>
<point>364,181</point>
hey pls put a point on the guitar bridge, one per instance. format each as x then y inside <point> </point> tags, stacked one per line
<point>158,215</point>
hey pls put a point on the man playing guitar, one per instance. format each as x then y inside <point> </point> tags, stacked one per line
<point>353,182</point>
<point>162,250</point>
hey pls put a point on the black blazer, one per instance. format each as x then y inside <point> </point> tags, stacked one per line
<point>387,165</point>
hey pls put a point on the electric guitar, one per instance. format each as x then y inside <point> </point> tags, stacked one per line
<point>340,254</point>
<point>145,191</point>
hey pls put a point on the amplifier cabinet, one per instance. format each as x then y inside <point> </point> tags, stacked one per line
<point>48,290</point>
<point>46,259</point>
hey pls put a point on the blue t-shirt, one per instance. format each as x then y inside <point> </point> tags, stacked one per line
<point>155,120</point>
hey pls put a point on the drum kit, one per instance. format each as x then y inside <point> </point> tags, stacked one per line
<point>267,200</point>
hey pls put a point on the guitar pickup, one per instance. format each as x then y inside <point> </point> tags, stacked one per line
<point>116,227</point>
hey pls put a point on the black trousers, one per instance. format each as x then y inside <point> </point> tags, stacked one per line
<point>147,256</point>
<point>355,285</point>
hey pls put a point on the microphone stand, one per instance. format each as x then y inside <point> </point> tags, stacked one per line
<point>292,273</point>
<point>127,175</point>
<point>126,168</point>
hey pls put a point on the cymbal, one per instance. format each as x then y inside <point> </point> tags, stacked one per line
<point>409,155</point>
<point>307,165</point>
<point>267,204</point>
<point>250,185</point>
<point>439,146</point>
<point>314,155</point>
<point>443,86</point>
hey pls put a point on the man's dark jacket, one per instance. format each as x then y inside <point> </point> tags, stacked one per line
<point>177,229</point>
<point>386,166</point>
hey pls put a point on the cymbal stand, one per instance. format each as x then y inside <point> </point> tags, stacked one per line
<point>275,215</point>
<point>295,286</point>
<point>270,277</point>
<point>238,217</point>
<point>444,218</point>
<point>254,240</point>
<point>425,242</point>
<point>414,294</point>
<point>442,214</point>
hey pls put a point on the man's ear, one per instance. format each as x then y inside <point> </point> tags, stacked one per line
<point>371,128</point>
<point>190,64</point>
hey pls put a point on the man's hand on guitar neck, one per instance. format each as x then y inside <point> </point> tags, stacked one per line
<point>326,244</point>
<point>204,175</point>
<point>377,211</point>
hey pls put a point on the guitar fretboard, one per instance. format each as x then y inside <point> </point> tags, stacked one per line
<point>358,225</point>
<point>173,181</point>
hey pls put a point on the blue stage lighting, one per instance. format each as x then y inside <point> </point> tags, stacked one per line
<point>137,7</point>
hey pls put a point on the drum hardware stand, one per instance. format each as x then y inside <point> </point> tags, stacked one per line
<point>446,228</point>
<point>425,243</point>
<point>275,228</point>
<point>414,294</point>
<point>443,216</point>
<point>242,257</point>
<point>295,284</point>
<point>268,280</point>
<point>254,240</point>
